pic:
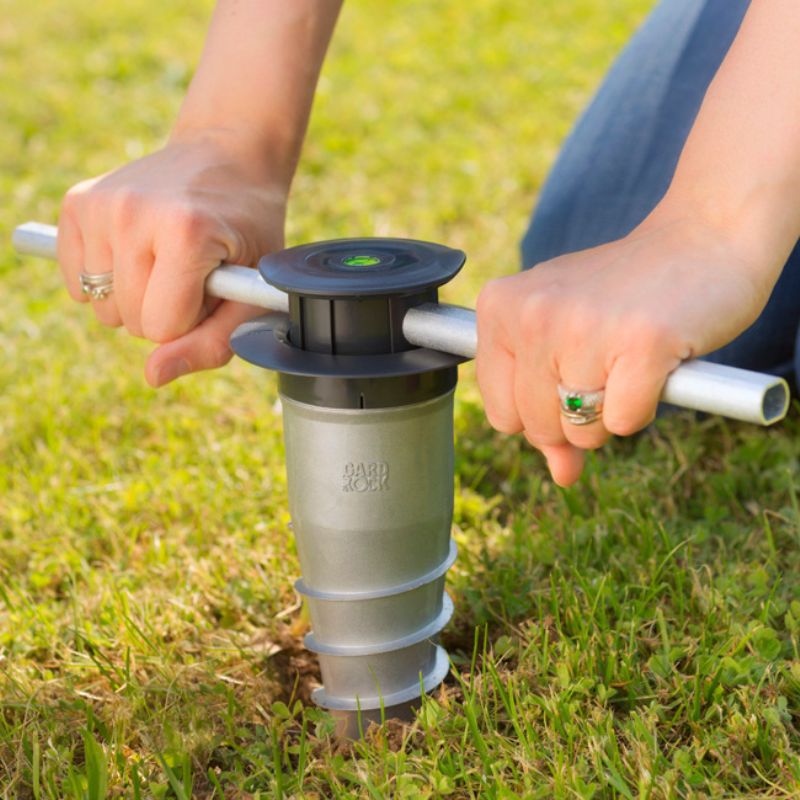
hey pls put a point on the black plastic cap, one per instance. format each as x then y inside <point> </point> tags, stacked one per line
<point>361,267</point>
<point>344,381</point>
<point>342,344</point>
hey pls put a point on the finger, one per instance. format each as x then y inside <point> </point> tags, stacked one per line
<point>99,260</point>
<point>495,373</point>
<point>582,370</point>
<point>536,392</point>
<point>173,300</point>
<point>495,362</point>
<point>633,388</point>
<point>204,347</point>
<point>132,270</point>
<point>587,436</point>
<point>69,252</point>
<point>536,380</point>
<point>565,462</point>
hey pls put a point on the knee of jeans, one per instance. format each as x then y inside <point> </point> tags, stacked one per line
<point>575,217</point>
<point>796,382</point>
<point>545,237</point>
<point>529,248</point>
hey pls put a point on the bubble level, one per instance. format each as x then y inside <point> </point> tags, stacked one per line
<point>361,261</point>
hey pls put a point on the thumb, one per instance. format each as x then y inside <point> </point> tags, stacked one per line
<point>204,347</point>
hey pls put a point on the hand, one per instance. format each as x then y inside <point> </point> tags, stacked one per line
<point>621,317</point>
<point>161,224</point>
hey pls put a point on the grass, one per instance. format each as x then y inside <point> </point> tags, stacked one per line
<point>635,636</point>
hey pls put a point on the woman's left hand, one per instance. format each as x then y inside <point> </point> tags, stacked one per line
<point>618,317</point>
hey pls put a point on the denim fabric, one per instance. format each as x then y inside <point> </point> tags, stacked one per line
<point>618,161</point>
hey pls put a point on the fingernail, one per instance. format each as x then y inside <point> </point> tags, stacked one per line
<point>172,370</point>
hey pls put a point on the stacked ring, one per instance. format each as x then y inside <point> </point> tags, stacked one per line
<point>98,287</point>
<point>580,408</point>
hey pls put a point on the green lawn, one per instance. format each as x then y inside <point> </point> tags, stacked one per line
<point>635,636</point>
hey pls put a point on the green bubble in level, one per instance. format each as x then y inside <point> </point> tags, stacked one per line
<point>361,261</point>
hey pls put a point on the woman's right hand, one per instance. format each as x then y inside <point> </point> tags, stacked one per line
<point>161,225</point>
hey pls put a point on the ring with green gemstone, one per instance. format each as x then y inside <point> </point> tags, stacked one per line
<point>580,408</point>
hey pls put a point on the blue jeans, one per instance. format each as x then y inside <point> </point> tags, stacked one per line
<point>618,161</point>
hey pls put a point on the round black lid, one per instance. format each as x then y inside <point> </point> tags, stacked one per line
<point>361,267</point>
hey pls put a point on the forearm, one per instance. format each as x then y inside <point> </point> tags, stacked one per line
<point>257,74</point>
<point>740,169</point>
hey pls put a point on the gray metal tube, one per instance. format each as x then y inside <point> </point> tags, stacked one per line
<point>442,327</point>
<point>35,239</point>
<point>243,285</point>
<point>371,502</point>
<point>698,385</point>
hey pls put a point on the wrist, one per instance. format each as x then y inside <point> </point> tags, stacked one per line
<point>743,235</point>
<point>251,149</point>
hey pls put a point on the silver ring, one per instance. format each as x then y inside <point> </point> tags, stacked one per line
<point>98,287</point>
<point>581,408</point>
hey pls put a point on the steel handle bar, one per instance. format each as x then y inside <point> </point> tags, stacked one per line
<point>697,385</point>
